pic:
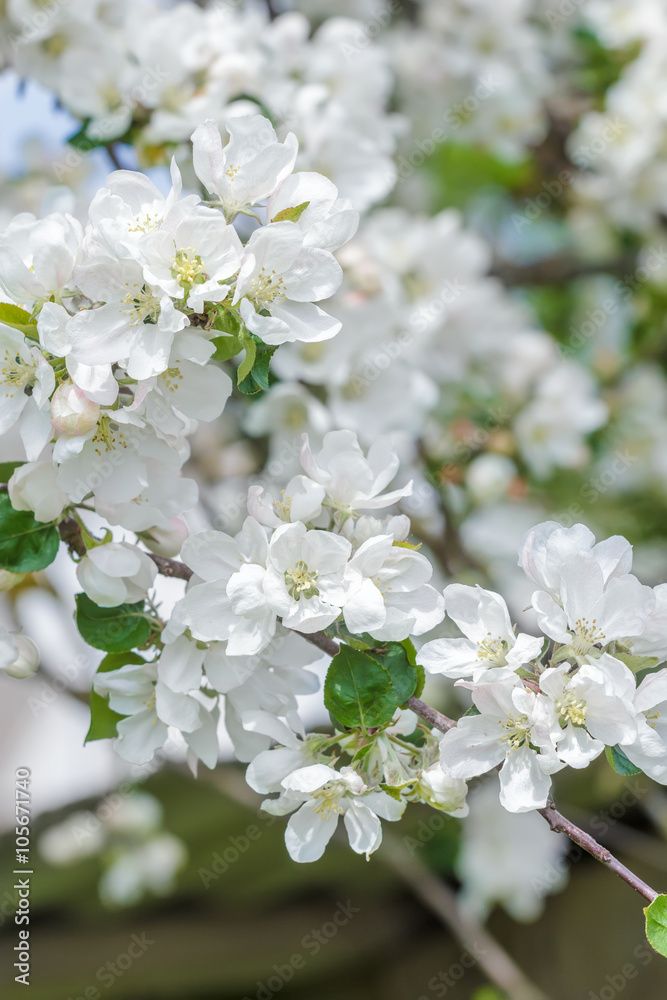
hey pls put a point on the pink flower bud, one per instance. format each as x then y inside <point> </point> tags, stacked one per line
<point>72,413</point>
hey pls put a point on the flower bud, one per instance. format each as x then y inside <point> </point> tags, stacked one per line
<point>26,660</point>
<point>440,791</point>
<point>72,413</point>
<point>166,541</point>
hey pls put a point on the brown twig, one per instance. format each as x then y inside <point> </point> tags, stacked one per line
<point>559,824</point>
<point>431,715</point>
<point>171,567</point>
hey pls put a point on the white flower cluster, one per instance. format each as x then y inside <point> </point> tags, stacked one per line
<point>163,71</point>
<point>489,59</point>
<point>427,337</point>
<point>312,559</point>
<point>626,140</point>
<point>532,717</point>
<point>107,370</point>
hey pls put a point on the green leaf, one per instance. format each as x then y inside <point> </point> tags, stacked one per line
<point>339,630</point>
<point>114,661</point>
<point>637,663</point>
<point>473,710</point>
<point>112,629</point>
<point>620,762</point>
<point>257,379</point>
<point>656,924</point>
<point>403,674</point>
<point>227,321</point>
<point>244,369</point>
<point>26,545</point>
<point>226,347</point>
<point>408,646</point>
<point>6,470</point>
<point>291,214</point>
<point>18,318</point>
<point>103,720</point>
<point>358,690</point>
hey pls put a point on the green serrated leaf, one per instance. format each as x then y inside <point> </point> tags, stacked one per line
<point>395,659</point>
<point>249,345</point>
<point>18,319</point>
<point>339,630</point>
<point>114,661</point>
<point>421,681</point>
<point>358,690</point>
<point>26,545</point>
<point>227,321</point>
<point>473,710</point>
<point>656,924</point>
<point>257,379</point>
<point>620,762</point>
<point>362,752</point>
<point>114,630</point>
<point>392,790</point>
<point>7,469</point>
<point>637,663</point>
<point>226,347</point>
<point>408,646</point>
<point>103,720</point>
<point>291,214</point>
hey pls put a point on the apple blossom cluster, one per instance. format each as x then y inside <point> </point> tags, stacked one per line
<point>492,62</point>
<point>428,339</point>
<point>319,558</point>
<point>541,703</point>
<point>139,72</point>
<point>109,331</point>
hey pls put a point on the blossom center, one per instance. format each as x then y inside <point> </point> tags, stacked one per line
<point>16,372</point>
<point>572,709</point>
<point>187,267</point>
<point>146,223</point>
<point>327,800</point>
<point>266,289</point>
<point>518,732</point>
<point>300,581</point>
<point>141,305</point>
<point>493,650</point>
<point>283,508</point>
<point>586,635</point>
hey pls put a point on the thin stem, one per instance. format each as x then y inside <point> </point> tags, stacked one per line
<point>172,568</point>
<point>559,824</point>
<point>499,967</point>
<point>437,719</point>
<point>113,156</point>
<point>322,642</point>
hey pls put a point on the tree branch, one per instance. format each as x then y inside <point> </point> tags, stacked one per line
<point>499,967</point>
<point>436,719</point>
<point>559,824</point>
<point>171,567</point>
